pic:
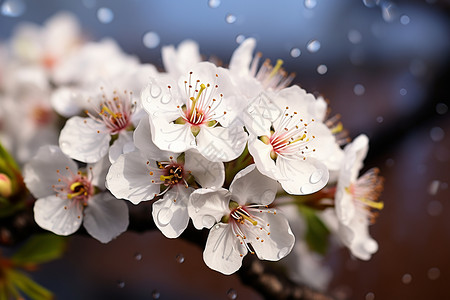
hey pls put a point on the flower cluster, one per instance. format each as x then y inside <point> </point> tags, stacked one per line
<point>233,148</point>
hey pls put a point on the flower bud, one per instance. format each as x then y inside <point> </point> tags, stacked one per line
<point>5,186</point>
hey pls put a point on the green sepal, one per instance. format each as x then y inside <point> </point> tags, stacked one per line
<point>39,249</point>
<point>317,233</point>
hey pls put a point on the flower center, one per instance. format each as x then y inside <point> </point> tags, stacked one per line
<point>271,77</point>
<point>240,215</point>
<point>174,174</point>
<point>41,115</point>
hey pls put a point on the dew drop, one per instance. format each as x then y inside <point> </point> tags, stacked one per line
<point>268,196</point>
<point>313,46</point>
<point>240,38</point>
<point>388,11</point>
<point>217,226</point>
<point>434,273</point>
<point>434,187</point>
<point>230,18</point>
<point>283,252</point>
<point>380,119</point>
<point>155,90</point>
<point>156,294</point>
<point>306,189</point>
<point>359,89</point>
<point>370,296</point>
<point>179,258</point>
<point>121,284</point>
<point>316,176</point>
<point>354,36</point>
<point>213,3</point>
<point>89,3</point>
<point>441,108</point>
<point>407,278</point>
<point>151,40</point>
<point>208,221</point>
<point>434,208</point>
<point>322,69</point>
<point>165,216</point>
<point>404,19</point>
<point>295,52</point>
<point>232,294</point>
<point>138,256</point>
<point>371,3</point>
<point>105,15</point>
<point>310,3</point>
<point>13,8</point>
<point>437,134</point>
<point>403,92</point>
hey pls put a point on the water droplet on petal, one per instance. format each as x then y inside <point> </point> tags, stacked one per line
<point>151,40</point>
<point>232,294</point>
<point>240,38</point>
<point>156,294</point>
<point>316,176</point>
<point>165,216</point>
<point>359,89</point>
<point>354,36</point>
<point>434,208</point>
<point>313,46</point>
<point>434,273</point>
<point>407,278</point>
<point>208,221</point>
<point>322,69</point>
<point>388,11</point>
<point>437,134</point>
<point>310,3</point>
<point>295,52</point>
<point>306,189</point>
<point>283,252</point>
<point>121,284</point>
<point>268,196</point>
<point>441,108</point>
<point>13,8</point>
<point>370,296</point>
<point>179,258</point>
<point>105,15</point>
<point>217,226</point>
<point>230,18</point>
<point>138,256</point>
<point>155,91</point>
<point>213,3</point>
<point>405,20</point>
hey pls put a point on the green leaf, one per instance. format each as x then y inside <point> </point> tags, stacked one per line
<point>28,286</point>
<point>317,233</point>
<point>39,249</point>
<point>7,160</point>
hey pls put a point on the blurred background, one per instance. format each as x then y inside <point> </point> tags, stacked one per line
<point>384,67</point>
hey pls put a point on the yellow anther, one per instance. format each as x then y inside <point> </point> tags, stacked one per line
<point>299,139</point>
<point>276,68</point>
<point>105,108</point>
<point>194,101</point>
<point>373,204</point>
<point>74,185</point>
<point>338,128</point>
<point>247,218</point>
<point>163,178</point>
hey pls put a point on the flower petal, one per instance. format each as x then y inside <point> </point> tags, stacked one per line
<point>105,217</point>
<point>40,173</point>
<point>84,139</point>
<point>58,215</point>
<point>250,186</point>
<point>129,178</point>
<point>261,155</point>
<point>171,137</point>
<point>221,144</point>
<point>170,214</point>
<point>208,206</point>
<point>206,173</point>
<point>223,251</point>
<point>99,171</point>
<point>242,57</point>
<point>124,143</point>
<point>178,62</point>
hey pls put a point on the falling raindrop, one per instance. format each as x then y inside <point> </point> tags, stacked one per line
<point>230,18</point>
<point>213,3</point>
<point>138,256</point>
<point>179,258</point>
<point>359,89</point>
<point>441,108</point>
<point>240,38</point>
<point>404,19</point>
<point>151,40</point>
<point>407,278</point>
<point>388,11</point>
<point>434,273</point>
<point>434,208</point>
<point>232,294</point>
<point>156,294</point>
<point>354,36</point>
<point>434,187</point>
<point>310,3</point>
<point>295,52</point>
<point>105,15</point>
<point>13,8</point>
<point>121,284</point>
<point>380,119</point>
<point>322,69</point>
<point>313,46</point>
<point>370,296</point>
<point>403,92</point>
<point>437,134</point>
